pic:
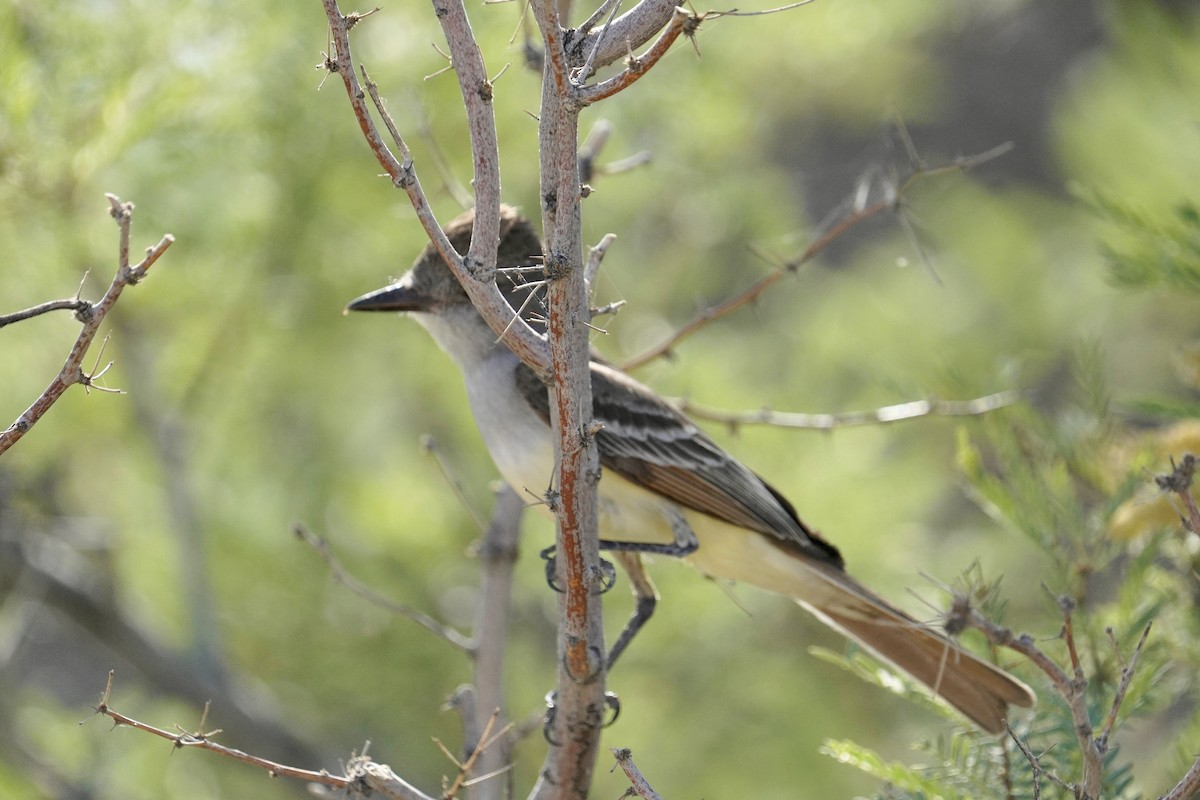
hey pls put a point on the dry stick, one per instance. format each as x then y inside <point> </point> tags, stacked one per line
<point>1188,787</point>
<point>72,370</point>
<point>1127,669</point>
<point>681,22</point>
<point>595,257</point>
<point>498,557</point>
<point>1070,689</point>
<point>364,778</point>
<point>486,741</point>
<point>74,304</point>
<point>596,139</point>
<point>474,271</point>
<point>587,70</point>
<point>878,416</point>
<point>1179,482</point>
<point>200,740</point>
<point>340,574</point>
<point>1035,766</point>
<point>431,447</point>
<point>630,30</point>
<point>638,783</point>
<point>812,251</point>
<point>441,165</point>
<point>579,705</point>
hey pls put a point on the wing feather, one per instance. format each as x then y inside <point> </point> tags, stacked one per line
<point>650,443</point>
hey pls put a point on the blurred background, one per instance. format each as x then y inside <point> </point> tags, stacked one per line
<point>150,532</point>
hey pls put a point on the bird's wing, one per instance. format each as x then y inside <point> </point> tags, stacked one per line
<point>650,443</point>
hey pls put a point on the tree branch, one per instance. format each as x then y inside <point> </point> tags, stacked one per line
<point>579,705</point>
<point>630,30</point>
<point>498,555</point>
<point>475,271</point>
<point>74,304</point>
<point>1188,786</point>
<point>636,66</point>
<point>1070,687</point>
<point>639,786</point>
<point>891,202</point>
<point>876,416</point>
<point>91,316</point>
<point>341,575</point>
<point>363,777</point>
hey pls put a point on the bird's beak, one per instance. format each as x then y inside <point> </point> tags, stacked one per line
<point>395,297</point>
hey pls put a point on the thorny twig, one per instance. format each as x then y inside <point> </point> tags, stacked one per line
<point>1070,687</point>
<point>639,786</point>
<point>892,202</point>
<point>1179,482</point>
<point>877,416</point>
<point>91,315</point>
<point>340,574</point>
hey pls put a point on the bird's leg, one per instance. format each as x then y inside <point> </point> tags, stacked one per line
<point>628,554</point>
<point>645,598</point>
<point>683,543</point>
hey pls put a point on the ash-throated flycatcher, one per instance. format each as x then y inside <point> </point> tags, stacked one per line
<point>666,487</point>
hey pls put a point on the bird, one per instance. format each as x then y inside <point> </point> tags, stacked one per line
<point>666,487</point>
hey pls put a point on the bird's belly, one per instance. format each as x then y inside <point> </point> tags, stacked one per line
<point>520,446</point>
<point>516,438</point>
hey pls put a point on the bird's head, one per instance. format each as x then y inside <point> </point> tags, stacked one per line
<point>430,287</point>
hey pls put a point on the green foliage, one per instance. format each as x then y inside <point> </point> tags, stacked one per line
<point>1146,250</point>
<point>1049,474</point>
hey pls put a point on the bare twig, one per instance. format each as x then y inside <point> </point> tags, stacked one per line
<point>595,257</point>
<point>682,22</point>
<point>498,556</point>
<point>638,159</point>
<point>489,737</point>
<point>340,574</point>
<point>858,216</point>
<point>1127,669</point>
<point>877,416</point>
<point>735,12</point>
<point>1070,688</point>
<point>1179,483</point>
<point>461,194</point>
<point>430,445</point>
<point>80,307</point>
<point>364,778</point>
<point>610,7</point>
<point>1188,786</point>
<point>638,783</point>
<point>630,30</point>
<point>476,270</point>
<point>201,740</point>
<point>596,139</point>
<point>1035,765</point>
<point>91,316</point>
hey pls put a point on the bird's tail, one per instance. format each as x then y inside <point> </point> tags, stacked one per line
<point>981,691</point>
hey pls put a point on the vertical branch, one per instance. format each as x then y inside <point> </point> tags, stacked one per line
<point>481,122</point>
<point>497,555</point>
<point>580,706</point>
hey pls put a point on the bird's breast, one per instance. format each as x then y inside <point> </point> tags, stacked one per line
<point>516,438</point>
